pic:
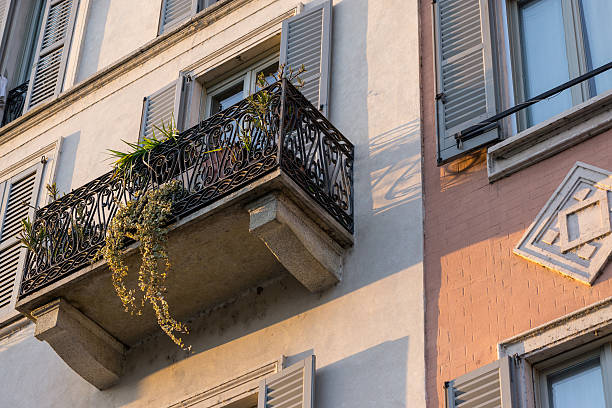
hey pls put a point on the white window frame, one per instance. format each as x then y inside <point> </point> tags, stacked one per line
<point>575,50</point>
<point>524,146</point>
<point>26,45</point>
<point>234,392</point>
<point>559,363</point>
<point>550,347</point>
<point>247,75</point>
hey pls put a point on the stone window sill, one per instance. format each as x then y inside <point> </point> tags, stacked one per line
<point>550,137</point>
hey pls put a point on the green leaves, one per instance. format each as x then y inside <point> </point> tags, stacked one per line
<point>29,237</point>
<point>143,220</point>
<point>140,152</point>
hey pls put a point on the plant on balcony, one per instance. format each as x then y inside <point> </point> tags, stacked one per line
<point>37,240</point>
<point>261,102</point>
<point>143,219</point>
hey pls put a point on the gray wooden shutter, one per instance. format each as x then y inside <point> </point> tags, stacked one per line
<point>306,39</point>
<point>293,387</point>
<point>160,107</point>
<point>174,12</point>
<point>488,386</point>
<point>47,77</point>
<point>21,188</point>
<point>5,7</point>
<point>466,81</point>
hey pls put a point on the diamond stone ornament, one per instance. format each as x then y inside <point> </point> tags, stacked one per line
<point>572,233</point>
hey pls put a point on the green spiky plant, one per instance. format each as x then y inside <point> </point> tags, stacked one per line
<point>140,152</point>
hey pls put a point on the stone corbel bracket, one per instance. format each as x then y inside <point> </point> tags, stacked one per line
<point>300,245</point>
<point>87,348</point>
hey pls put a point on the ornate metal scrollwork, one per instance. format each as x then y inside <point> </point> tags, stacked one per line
<point>313,153</point>
<point>14,103</point>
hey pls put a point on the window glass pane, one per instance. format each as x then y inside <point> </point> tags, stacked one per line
<point>227,98</point>
<point>597,20</point>
<point>202,4</point>
<point>268,72</point>
<point>579,386</point>
<point>544,57</point>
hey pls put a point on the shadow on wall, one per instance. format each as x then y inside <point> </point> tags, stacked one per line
<point>392,169</point>
<point>66,163</point>
<point>91,48</point>
<point>375,377</point>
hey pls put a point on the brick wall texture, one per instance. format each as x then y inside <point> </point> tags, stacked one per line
<point>477,291</point>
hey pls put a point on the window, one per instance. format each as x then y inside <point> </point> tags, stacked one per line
<point>175,12</point>
<point>494,54</point>
<point>214,88</point>
<point>21,35</point>
<point>202,4</point>
<point>225,93</point>
<point>19,38</point>
<point>560,40</point>
<point>579,381</point>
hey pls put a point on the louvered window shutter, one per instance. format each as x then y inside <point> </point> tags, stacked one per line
<point>292,387</point>
<point>488,386</point>
<point>162,106</point>
<point>466,81</point>
<point>47,77</point>
<point>306,39</point>
<point>5,7</point>
<point>174,12</point>
<point>19,190</point>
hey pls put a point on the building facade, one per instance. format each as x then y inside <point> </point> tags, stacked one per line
<point>297,262</point>
<point>517,188</point>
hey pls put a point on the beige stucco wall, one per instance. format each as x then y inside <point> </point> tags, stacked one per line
<point>367,332</point>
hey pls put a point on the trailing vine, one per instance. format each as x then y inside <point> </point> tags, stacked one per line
<point>143,219</point>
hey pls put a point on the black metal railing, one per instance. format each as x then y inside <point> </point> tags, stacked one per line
<point>492,122</point>
<point>296,138</point>
<point>15,101</point>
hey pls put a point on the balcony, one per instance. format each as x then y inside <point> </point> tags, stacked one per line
<point>244,216</point>
<point>14,103</point>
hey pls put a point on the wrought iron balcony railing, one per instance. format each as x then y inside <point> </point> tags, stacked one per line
<point>295,137</point>
<point>14,103</point>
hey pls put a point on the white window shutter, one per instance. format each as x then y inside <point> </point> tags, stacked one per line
<point>47,77</point>
<point>161,107</point>
<point>488,386</point>
<point>20,189</point>
<point>306,39</point>
<point>5,7</point>
<point>465,75</point>
<point>293,387</point>
<point>174,12</point>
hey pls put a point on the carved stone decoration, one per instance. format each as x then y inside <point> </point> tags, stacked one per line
<point>572,233</point>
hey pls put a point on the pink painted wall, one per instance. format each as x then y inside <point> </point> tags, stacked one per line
<point>478,292</point>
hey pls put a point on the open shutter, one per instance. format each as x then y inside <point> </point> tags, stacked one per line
<point>306,39</point>
<point>5,7</point>
<point>162,106</point>
<point>466,81</point>
<point>22,188</point>
<point>47,77</point>
<point>183,100</point>
<point>292,387</point>
<point>488,386</point>
<point>174,12</point>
